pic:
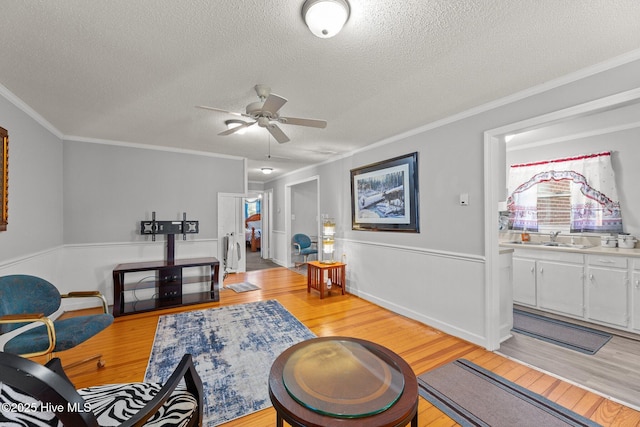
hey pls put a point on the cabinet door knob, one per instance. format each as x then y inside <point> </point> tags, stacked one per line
<point>541,270</point>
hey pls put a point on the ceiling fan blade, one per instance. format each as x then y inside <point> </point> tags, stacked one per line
<point>236,128</point>
<point>277,133</point>
<point>204,107</point>
<point>303,122</point>
<point>272,104</point>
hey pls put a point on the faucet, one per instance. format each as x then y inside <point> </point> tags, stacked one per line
<point>553,235</point>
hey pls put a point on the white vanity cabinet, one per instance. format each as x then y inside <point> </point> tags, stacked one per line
<point>635,295</point>
<point>549,280</point>
<point>561,284</point>
<point>506,294</point>
<point>524,281</point>
<point>597,285</point>
<point>608,284</point>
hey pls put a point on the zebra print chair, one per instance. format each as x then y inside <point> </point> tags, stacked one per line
<point>35,395</point>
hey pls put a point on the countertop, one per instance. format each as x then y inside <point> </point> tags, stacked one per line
<point>582,249</point>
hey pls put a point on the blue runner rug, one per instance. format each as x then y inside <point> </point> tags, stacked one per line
<point>233,349</point>
<point>473,396</point>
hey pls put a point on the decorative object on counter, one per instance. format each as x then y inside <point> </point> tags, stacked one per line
<point>328,240</point>
<point>626,241</point>
<point>526,237</point>
<point>384,195</point>
<point>608,241</point>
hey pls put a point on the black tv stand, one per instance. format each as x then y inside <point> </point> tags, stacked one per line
<point>168,283</point>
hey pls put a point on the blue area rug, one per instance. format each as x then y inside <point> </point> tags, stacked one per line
<point>575,337</point>
<point>233,349</point>
<point>473,396</point>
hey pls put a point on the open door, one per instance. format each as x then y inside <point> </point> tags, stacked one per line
<point>231,244</point>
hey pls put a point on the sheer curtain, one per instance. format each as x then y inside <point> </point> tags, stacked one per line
<point>594,202</point>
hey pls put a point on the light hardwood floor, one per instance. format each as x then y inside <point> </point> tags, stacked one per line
<point>126,346</point>
<point>614,371</point>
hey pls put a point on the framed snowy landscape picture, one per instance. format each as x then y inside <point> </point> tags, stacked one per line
<point>384,195</point>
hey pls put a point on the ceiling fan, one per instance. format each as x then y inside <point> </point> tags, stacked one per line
<point>265,114</point>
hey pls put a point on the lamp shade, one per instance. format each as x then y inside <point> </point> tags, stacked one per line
<point>325,18</point>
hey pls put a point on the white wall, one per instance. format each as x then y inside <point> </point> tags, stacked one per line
<point>109,189</point>
<point>75,207</point>
<point>304,212</point>
<point>35,185</point>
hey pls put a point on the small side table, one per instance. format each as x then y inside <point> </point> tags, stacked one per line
<point>315,276</point>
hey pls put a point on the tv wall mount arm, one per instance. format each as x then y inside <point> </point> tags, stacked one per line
<point>170,228</point>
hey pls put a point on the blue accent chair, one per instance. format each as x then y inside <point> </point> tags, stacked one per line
<point>28,299</point>
<point>304,246</point>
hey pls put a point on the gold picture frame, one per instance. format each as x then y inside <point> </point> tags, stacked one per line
<point>4,176</point>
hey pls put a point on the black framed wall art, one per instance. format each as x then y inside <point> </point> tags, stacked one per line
<point>384,195</point>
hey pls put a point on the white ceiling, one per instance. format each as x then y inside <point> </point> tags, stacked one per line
<point>133,71</point>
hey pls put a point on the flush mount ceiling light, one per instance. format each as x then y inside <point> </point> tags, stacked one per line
<point>266,171</point>
<point>325,18</point>
<point>234,123</point>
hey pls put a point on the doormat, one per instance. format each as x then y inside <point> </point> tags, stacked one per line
<point>242,287</point>
<point>575,337</point>
<point>473,396</point>
<point>233,349</point>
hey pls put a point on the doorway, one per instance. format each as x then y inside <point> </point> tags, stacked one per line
<point>257,222</point>
<point>302,213</point>
<point>495,187</point>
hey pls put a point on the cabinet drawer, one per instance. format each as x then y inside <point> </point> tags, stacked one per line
<point>607,261</point>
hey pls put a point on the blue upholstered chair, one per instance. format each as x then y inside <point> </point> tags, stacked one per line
<point>29,300</point>
<point>304,246</point>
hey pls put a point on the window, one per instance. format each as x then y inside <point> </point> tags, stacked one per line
<point>251,207</point>
<point>576,194</point>
<point>554,206</point>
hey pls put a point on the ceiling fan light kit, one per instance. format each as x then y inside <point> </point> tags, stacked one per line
<point>266,114</point>
<point>325,18</point>
<point>232,124</point>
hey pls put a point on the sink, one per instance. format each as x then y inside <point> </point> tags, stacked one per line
<point>517,242</point>
<point>550,244</point>
<point>565,245</point>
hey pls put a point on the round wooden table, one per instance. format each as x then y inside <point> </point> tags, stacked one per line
<point>343,381</point>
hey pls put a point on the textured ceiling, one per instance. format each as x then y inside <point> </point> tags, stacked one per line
<point>133,71</point>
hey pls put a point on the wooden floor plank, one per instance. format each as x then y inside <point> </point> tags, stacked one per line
<point>126,346</point>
